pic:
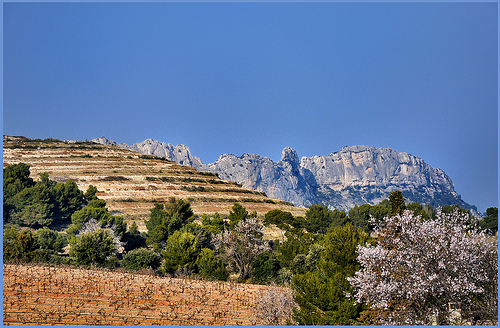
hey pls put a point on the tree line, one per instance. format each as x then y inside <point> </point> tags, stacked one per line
<point>364,266</point>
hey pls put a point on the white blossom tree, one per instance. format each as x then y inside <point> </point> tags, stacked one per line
<point>241,245</point>
<point>419,268</point>
<point>275,305</point>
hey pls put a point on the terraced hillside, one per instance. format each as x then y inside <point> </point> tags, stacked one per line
<point>131,182</point>
<point>38,295</point>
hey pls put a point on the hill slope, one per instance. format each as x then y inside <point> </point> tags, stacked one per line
<point>131,182</point>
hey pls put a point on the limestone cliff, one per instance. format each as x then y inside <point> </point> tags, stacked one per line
<point>282,180</point>
<point>361,174</point>
<point>354,175</point>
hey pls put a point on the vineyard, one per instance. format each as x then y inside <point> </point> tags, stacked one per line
<point>43,295</point>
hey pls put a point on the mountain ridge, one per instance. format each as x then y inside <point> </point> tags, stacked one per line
<point>355,175</point>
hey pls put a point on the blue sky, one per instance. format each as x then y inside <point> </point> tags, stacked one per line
<point>256,77</point>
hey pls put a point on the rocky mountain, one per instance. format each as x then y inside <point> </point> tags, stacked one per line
<point>354,175</point>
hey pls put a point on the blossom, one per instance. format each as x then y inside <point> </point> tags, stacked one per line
<point>426,264</point>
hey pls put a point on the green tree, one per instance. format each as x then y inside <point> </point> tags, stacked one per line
<point>90,194</point>
<point>490,221</point>
<point>133,238</point>
<point>210,266</point>
<point>202,233</point>
<point>295,245</point>
<point>69,199</point>
<point>19,246</point>
<point>239,213</point>
<point>141,258</point>
<point>160,226</point>
<point>265,268</point>
<point>96,210</point>
<point>359,216</point>
<point>181,208</point>
<point>181,253</point>
<point>213,224</point>
<point>16,178</point>
<point>321,294</point>
<point>166,219</point>
<point>50,240</point>
<point>94,247</point>
<point>32,207</point>
<point>38,204</point>
<point>285,221</point>
<point>397,202</point>
<point>452,208</point>
<point>320,218</point>
<point>281,219</point>
<point>303,263</point>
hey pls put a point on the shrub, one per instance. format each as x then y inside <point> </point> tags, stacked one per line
<point>210,266</point>
<point>94,247</point>
<point>115,178</point>
<point>181,252</point>
<point>19,246</point>
<point>141,258</point>
<point>265,268</point>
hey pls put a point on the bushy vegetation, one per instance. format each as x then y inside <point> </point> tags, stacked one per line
<point>141,258</point>
<point>323,256</point>
<point>37,204</point>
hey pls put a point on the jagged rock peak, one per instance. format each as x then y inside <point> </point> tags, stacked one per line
<point>179,154</point>
<point>104,141</point>
<point>290,155</point>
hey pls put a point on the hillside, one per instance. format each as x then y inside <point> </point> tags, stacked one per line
<point>131,182</point>
<point>342,179</point>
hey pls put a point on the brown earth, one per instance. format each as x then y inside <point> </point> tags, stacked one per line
<point>42,295</point>
<point>132,183</point>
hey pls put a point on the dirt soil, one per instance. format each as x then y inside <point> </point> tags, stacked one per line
<point>43,295</point>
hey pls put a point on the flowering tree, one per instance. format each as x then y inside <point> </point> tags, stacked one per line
<point>241,245</point>
<point>419,268</point>
<point>275,305</point>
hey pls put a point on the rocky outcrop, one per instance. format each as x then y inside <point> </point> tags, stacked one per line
<point>282,180</point>
<point>179,154</point>
<point>354,175</point>
<point>104,141</point>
